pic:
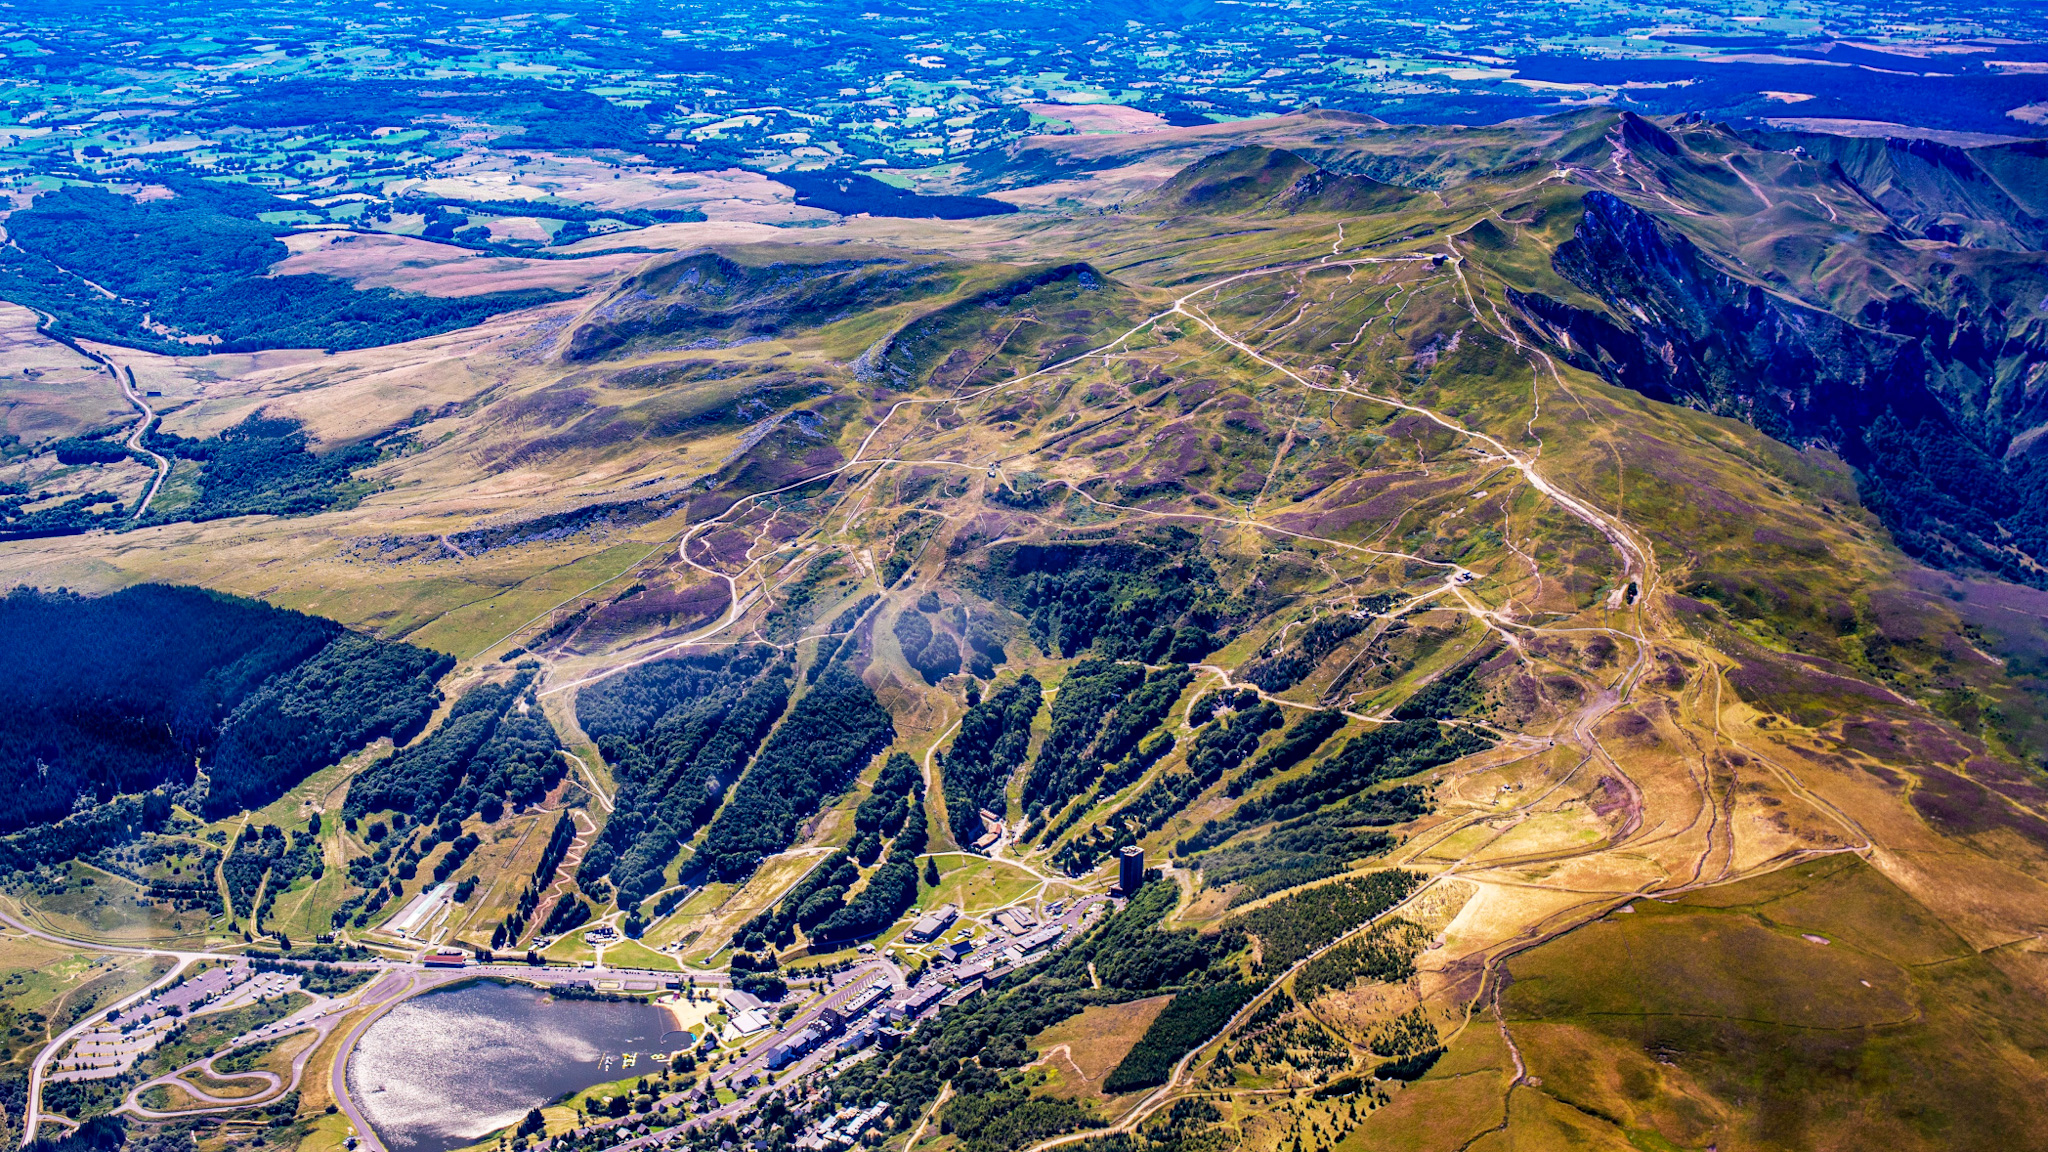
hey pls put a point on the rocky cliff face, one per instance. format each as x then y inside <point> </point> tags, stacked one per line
<point>1932,393</point>
<point>1686,332</point>
<point>1931,189</point>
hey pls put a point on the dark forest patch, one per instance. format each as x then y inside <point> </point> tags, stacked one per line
<point>854,194</point>
<point>124,693</point>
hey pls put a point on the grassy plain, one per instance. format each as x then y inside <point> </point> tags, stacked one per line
<point>976,883</point>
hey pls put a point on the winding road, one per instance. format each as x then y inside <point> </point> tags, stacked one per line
<point>46,325</point>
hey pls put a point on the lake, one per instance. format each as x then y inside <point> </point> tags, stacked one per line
<point>445,1068</point>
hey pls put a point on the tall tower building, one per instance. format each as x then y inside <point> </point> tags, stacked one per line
<point>1130,870</point>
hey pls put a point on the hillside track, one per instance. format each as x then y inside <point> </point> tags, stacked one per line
<point>124,378</point>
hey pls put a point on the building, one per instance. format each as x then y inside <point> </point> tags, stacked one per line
<point>1015,921</point>
<point>932,923</point>
<point>866,1118</point>
<point>843,1129</point>
<point>419,912</point>
<point>739,1001</point>
<point>866,998</point>
<point>1033,941</point>
<point>831,1021</point>
<point>445,958</point>
<point>856,1040</point>
<point>795,1048</point>
<point>1130,870</point>
<point>921,997</point>
<point>957,951</point>
<point>748,1023</point>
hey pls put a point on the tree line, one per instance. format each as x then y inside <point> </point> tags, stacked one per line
<point>978,1044</point>
<point>488,753</point>
<point>125,693</point>
<point>990,746</point>
<point>1151,599</point>
<point>514,925</point>
<point>676,734</point>
<point>831,734</point>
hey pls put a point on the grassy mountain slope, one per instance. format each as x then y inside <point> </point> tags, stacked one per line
<point>1461,500</point>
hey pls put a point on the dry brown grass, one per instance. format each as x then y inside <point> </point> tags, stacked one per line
<point>1083,1050</point>
<point>409,264</point>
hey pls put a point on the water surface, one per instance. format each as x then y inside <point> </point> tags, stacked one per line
<point>445,1068</point>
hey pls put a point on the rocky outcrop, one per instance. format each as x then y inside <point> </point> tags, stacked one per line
<point>1922,392</point>
<point>1682,330</point>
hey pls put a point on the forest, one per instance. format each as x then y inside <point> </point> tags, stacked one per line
<point>1277,670</point>
<point>932,651</point>
<point>1188,1019</point>
<point>513,927</point>
<point>1098,718</point>
<point>204,236</point>
<point>315,311</point>
<point>993,738</point>
<point>1330,817</point>
<point>545,117</point>
<point>353,691</point>
<point>1219,747</point>
<point>195,261</point>
<point>122,693</point>
<point>676,734</point>
<point>1295,853</point>
<point>892,888</point>
<point>854,194</point>
<point>81,513</point>
<point>1299,743</point>
<point>1386,753</point>
<point>1296,925</point>
<point>1385,954</point>
<point>831,734</point>
<point>974,1044</point>
<point>1152,598</point>
<point>262,466</point>
<point>266,852</point>
<point>487,754</point>
<point>818,903</point>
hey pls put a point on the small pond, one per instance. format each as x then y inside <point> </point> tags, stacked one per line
<point>445,1068</point>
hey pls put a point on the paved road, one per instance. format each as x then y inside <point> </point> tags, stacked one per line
<point>757,1061</point>
<point>126,378</point>
<point>34,1114</point>
<point>322,1016</point>
<point>415,978</point>
<point>404,982</point>
<point>46,326</point>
